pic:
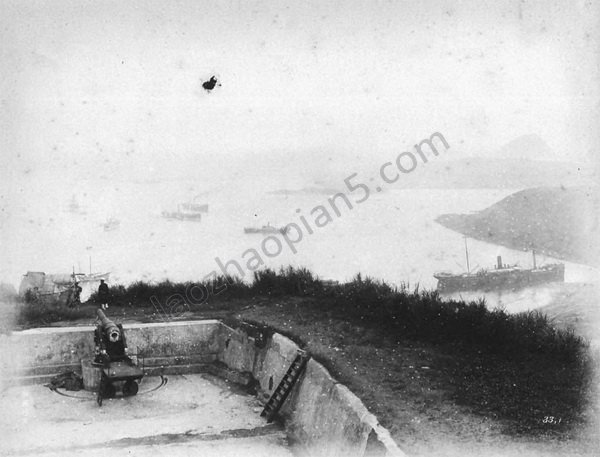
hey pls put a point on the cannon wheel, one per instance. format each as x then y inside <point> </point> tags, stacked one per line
<point>130,388</point>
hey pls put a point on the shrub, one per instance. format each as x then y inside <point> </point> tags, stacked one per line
<point>288,281</point>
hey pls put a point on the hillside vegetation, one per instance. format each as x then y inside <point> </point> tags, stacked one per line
<point>512,369</point>
<point>556,221</point>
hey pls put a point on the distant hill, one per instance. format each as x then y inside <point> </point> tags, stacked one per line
<point>528,147</point>
<point>481,172</point>
<point>556,221</point>
<point>469,173</point>
<point>525,162</point>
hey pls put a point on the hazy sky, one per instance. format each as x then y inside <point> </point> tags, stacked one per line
<point>93,87</point>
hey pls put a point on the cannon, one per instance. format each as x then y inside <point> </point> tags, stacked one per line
<point>113,358</point>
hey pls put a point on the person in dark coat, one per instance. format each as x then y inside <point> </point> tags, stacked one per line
<point>74,295</point>
<point>103,294</point>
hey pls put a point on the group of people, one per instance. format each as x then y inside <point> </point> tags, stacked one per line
<point>74,297</point>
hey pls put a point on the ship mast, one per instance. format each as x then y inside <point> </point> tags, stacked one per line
<point>467,256</point>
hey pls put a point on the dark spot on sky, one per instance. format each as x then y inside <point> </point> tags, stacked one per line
<point>210,84</point>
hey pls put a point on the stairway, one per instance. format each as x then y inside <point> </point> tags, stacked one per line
<point>285,386</point>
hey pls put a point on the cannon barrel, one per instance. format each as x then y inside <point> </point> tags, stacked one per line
<point>109,327</point>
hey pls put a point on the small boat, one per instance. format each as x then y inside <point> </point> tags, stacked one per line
<point>502,277</point>
<point>189,211</point>
<point>74,207</point>
<point>183,215</point>
<point>266,229</point>
<point>196,207</point>
<point>111,224</point>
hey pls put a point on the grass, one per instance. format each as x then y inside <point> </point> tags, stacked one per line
<point>518,368</point>
<point>43,314</point>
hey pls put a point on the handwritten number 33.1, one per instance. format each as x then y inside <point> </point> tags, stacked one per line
<point>551,420</point>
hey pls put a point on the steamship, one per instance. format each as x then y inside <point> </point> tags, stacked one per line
<point>502,277</point>
<point>266,229</point>
<point>190,211</point>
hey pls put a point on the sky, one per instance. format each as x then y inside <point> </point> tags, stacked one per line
<point>110,87</point>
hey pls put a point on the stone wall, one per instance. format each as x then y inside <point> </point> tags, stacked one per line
<point>322,415</point>
<point>36,355</point>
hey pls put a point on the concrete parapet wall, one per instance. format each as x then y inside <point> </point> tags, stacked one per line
<point>43,352</point>
<point>45,349</point>
<point>174,339</point>
<point>331,421</point>
<point>272,363</point>
<point>237,349</point>
<point>320,413</point>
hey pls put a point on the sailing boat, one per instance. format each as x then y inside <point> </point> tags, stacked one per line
<point>60,288</point>
<point>197,207</point>
<point>183,215</point>
<point>111,223</point>
<point>502,277</point>
<point>74,206</point>
<point>190,211</point>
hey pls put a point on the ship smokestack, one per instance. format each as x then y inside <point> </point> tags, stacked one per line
<point>499,260</point>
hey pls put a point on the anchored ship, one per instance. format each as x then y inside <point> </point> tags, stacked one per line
<point>183,214</point>
<point>190,211</point>
<point>266,229</point>
<point>503,276</point>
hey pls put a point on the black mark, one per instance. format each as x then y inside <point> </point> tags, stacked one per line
<point>210,84</point>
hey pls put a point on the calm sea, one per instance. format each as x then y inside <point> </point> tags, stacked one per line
<point>391,235</point>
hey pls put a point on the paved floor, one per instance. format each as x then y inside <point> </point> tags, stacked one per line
<point>191,415</point>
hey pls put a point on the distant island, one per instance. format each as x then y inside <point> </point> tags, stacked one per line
<point>556,221</point>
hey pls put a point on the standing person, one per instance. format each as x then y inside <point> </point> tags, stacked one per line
<point>103,294</point>
<point>77,294</point>
<point>74,295</point>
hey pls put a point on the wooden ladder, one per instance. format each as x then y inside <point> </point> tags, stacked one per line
<point>285,386</point>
